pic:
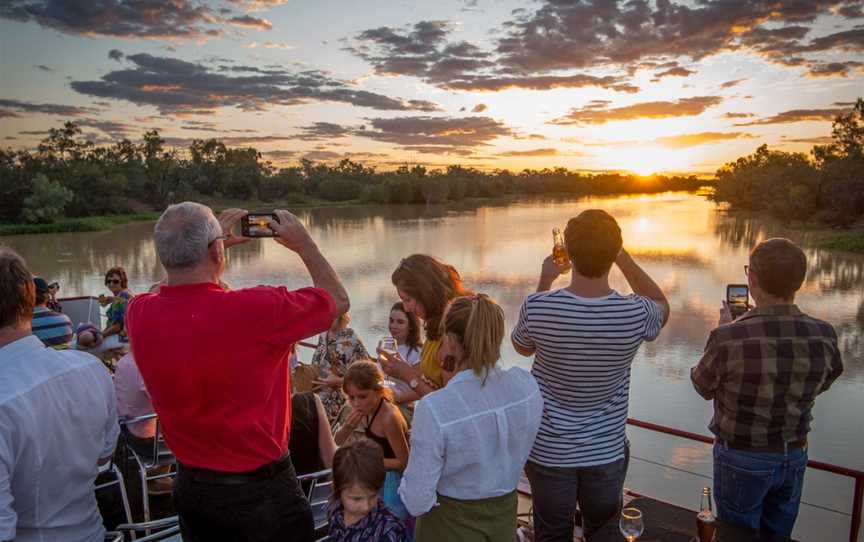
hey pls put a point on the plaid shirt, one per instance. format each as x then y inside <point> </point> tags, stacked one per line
<point>764,371</point>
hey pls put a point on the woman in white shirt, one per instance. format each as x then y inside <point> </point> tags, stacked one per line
<point>404,326</point>
<point>470,439</point>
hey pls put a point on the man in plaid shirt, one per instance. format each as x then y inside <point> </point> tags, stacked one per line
<point>764,371</point>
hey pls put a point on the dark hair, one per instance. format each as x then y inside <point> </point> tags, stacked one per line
<point>361,462</point>
<point>780,267</point>
<point>364,374</point>
<point>119,271</point>
<point>431,282</point>
<point>478,324</point>
<point>17,291</point>
<point>593,242</point>
<point>413,339</point>
<point>41,297</point>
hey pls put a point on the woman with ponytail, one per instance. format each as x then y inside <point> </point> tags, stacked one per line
<point>470,440</point>
<point>425,285</point>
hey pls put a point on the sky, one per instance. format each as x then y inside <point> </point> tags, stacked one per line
<point>595,85</point>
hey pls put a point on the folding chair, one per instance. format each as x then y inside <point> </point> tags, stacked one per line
<point>111,468</point>
<point>320,491</point>
<point>159,456</point>
<point>167,529</point>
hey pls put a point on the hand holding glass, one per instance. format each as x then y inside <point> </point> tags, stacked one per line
<point>631,524</point>
<point>388,345</point>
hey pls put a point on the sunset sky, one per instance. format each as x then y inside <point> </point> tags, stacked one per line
<point>644,86</point>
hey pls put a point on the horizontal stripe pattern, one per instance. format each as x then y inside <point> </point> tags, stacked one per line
<point>583,351</point>
<point>52,328</point>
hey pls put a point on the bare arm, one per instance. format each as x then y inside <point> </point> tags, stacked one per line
<point>293,235</point>
<point>113,329</point>
<point>641,283</point>
<point>396,430</point>
<point>348,425</point>
<point>326,444</point>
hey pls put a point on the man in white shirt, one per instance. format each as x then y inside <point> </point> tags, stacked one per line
<point>58,422</point>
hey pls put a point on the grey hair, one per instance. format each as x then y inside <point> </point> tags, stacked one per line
<point>183,233</point>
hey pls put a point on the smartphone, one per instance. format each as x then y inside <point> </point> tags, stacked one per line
<point>738,299</point>
<point>257,225</point>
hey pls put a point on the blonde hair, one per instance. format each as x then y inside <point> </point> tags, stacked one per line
<point>365,375</point>
<point>478,323</point>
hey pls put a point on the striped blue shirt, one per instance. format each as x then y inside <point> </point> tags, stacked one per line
<point>52,328</point>
<point>583,351</point>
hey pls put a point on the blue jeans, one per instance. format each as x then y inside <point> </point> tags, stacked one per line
<point>556,490</point>
<point>761,491</point>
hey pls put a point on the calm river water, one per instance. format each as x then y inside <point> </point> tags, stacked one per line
<point>689,248</point>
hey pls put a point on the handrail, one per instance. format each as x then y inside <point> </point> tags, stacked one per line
<point>857,475</point>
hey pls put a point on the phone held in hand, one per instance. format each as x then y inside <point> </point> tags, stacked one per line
<point>257,225</point>
<point>738,299</point>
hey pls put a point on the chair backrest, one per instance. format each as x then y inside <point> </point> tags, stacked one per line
<point>316,478</point>
<point>161,454</point>
<point>320,491</point>
<point>166,529</point>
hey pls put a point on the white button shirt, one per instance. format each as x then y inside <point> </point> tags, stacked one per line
<point>58,417</point>
<point>470,440</point>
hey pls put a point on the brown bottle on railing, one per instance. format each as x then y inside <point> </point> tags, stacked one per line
<point>559,251</point>
<point>705,520</point>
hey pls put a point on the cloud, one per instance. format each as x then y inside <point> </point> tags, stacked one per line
<point>543,82</point>
<point>115,54</point>
<point>270,45</point>
<point>247,21</point>
<point>799,115</point>
<point>116,130</point>
<point>677,71</point>
<point>833,69</point>
<point>532,152</point>
<point>323,131</point>
<point>823,140</point>
<point>738,115</point>
<point>43,67</point>
<point>435,134</point>
<point>732,83</point>
<point>176,86</point>
<point>15,106</point>
<point>598,112</point>
<point>280,155</point>
<point>154,19</point>
<point>479,108</point>
<point>702,138</point>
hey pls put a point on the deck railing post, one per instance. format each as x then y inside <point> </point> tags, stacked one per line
<point>856,510</point>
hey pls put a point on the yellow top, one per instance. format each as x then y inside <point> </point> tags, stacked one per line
<point>429,362</point>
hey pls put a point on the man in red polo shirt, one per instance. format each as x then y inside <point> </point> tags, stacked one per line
<point>216,364</point>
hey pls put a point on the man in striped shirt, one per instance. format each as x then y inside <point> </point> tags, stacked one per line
<point>583,339</point>
<point>54,329</point>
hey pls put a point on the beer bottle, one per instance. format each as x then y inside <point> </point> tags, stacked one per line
<point>559,251</point>
<point>705,520</point>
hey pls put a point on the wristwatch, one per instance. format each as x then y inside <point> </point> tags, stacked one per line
<point>413,383</point>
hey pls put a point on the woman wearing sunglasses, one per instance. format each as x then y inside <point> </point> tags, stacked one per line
<point>116,281</point>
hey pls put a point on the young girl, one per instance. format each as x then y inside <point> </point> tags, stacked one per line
<point>357,514</point>
<point>373,410</point>
<point>404,326</point>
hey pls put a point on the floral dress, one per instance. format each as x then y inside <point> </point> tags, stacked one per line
<point>336,352</point>
<point>379,525</point>
<point>116,313</point>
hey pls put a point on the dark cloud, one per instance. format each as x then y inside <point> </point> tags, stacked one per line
<point>43,67</point>
<point>247,21</point>
<point>116,130</point>
<point>479,108</point>
<point>532,152</point>
<point>280,155</point>
<point>599,112</point>
<point>823,140</point>
<point>738,115</point>
<point>117,18</point>
<point>323,156</point>
<point>203,126</point>
<point>799,115</point>
<point>323,131</point>
<point>15,106</point>
<point>33,132</point>
<point>702,138</point>
<point>677,71</point>
<point>176,86</point>
<point>435,134</point>
<point>732,83</point>
<point>833,69</point>
<point>115,54</point>
<point>540,82</point>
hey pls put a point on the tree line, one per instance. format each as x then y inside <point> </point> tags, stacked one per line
<point>826,186</point>
<point>68,176</point>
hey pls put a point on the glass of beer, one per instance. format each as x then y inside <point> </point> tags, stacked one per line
<point>631,524</point>
<point>559,250</point>
<point>387,345</point>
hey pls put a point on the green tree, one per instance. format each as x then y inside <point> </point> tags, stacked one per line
<point>47,202</point>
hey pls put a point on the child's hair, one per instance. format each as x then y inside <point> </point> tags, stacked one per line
<point>477,322</point>
<point>413,340</point>
<point>364,374</point>
<point>361,462</point>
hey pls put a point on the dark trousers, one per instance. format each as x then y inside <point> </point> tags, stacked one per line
<point>556,490</point>
<point>269,510</point>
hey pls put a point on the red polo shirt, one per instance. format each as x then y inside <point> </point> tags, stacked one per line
<point>216,366</point>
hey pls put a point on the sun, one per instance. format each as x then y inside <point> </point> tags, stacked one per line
<point>645,160</point>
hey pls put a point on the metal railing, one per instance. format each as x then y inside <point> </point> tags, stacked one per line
<point>857,475</point>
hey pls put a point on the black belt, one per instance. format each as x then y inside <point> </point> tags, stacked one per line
<point>767,449</point>
<point>207,476</point>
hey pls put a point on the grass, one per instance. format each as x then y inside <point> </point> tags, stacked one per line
<point>92,223</point>
<point>847,242</point>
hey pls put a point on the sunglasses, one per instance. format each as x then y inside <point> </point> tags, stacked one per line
<point>112,281</point>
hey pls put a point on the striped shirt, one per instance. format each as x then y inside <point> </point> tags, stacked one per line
<point>583,351</point>
<point>53,328</point>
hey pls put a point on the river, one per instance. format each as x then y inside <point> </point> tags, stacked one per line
<point>690,249</point>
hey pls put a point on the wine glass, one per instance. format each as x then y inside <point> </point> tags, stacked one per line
<point>631,524</point>
<point>389,346</point>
